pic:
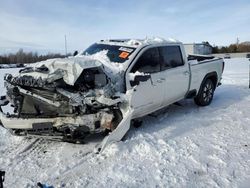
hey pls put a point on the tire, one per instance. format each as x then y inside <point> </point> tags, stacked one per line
<point>206,93</point>
<point>137,123</point>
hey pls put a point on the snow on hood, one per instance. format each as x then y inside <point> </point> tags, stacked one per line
<point>109,67</point>
<point>71,68</point>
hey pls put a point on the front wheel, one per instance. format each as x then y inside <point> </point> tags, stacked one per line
<point>206,93</point>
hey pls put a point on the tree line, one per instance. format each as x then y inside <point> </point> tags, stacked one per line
<point>233,48</point>
<point>22,57</point>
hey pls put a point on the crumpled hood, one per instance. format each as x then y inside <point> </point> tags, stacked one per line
<point>70,68</point>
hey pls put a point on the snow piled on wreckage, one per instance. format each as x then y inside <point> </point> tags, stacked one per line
<point>71,68</point>
<point>69,98</point>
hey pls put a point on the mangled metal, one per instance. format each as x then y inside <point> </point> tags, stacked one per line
<point>69,98</point>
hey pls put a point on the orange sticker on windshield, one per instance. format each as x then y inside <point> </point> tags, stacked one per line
<point>124,55</point>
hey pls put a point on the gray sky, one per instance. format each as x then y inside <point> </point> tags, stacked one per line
<point>41,25</point>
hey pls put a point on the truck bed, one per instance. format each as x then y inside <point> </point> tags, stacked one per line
<point>199,69</point>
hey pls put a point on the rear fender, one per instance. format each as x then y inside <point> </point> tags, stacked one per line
<point>213,76</point>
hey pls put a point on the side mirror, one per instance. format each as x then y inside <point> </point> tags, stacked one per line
<point>140,78</point>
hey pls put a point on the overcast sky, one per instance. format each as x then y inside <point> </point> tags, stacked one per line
<point>41,25</point>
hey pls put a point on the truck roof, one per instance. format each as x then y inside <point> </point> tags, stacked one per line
<point>135,43</point>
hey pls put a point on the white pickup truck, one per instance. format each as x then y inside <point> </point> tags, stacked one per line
<point>102,89</point>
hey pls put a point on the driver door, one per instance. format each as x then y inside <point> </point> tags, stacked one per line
<point>148,95</point>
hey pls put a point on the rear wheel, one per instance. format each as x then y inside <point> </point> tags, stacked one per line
<point>206,93</point>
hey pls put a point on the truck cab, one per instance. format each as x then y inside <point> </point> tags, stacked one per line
<point>169,77</point>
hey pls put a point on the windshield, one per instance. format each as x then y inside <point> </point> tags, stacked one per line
<point>118,54</point>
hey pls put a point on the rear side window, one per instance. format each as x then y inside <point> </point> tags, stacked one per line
<point>171,57</point>
<point>149,62</point>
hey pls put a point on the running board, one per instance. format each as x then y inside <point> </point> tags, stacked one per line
<point>118,133</point>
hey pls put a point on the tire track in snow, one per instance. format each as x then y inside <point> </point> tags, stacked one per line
<point>76,170</point>
<point>27,149</point>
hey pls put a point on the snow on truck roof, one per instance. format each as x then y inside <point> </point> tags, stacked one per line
<point>138,42</point>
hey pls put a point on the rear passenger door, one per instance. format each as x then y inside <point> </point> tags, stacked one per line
<point>176,73</point>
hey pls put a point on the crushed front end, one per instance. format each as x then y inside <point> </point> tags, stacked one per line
<point>66,100</point>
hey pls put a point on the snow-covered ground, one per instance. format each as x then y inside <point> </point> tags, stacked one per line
<point>182,146</point>
<point>7,66</point>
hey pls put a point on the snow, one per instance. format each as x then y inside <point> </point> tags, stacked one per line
<point>138,42</point>
<point>71,68</point>
<point>180,146</point>
<point>150,40</point>
<point>7,66</point>
<point>133,75</point>
<point>67,68</point>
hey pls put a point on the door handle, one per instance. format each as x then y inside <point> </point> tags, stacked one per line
<point>186,72</point>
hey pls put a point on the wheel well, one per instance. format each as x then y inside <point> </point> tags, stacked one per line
<point>213,78</point>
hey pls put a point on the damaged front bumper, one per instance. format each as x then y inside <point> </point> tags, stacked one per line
<point>55,129</point>
<point>71,128</point>
<point>92,121</point>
